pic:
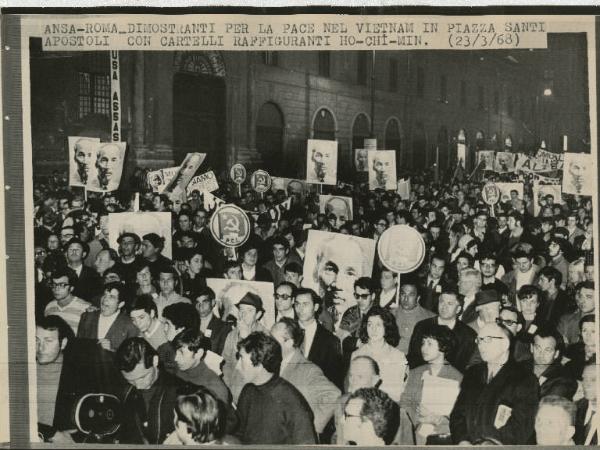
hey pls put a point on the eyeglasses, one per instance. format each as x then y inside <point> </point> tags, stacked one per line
<point>361,296</point>
<point>59,285</point>
<point>486,339</point>
<point>282,296</point>
<point>346,415</point>
<point>507,322</point>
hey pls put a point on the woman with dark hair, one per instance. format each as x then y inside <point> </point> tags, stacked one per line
<point>379,337</point>
<point>432,378</point>
<point>583,352</point>
<point>199,419</point>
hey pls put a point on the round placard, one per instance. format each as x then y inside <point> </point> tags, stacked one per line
<point>238,173</point>
<point>401,249</point>
<point>230,226</point>
<point>260,181</point>
<point>490,194</point>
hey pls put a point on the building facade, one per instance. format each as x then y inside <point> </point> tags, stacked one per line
<point>259,108</point>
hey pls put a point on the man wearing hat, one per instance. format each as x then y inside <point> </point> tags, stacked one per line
<point>487,307</point>
<point>249,311</point>
<point>556,255</point>
<point>89,283</point>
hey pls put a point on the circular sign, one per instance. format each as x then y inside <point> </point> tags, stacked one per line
<point>260,181</point>
<point>238,173</point>
<point>490,194</point>
<point>401,248</point>
<point>230,226</point>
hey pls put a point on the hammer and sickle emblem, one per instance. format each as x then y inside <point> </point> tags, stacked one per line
<point>232,223</point>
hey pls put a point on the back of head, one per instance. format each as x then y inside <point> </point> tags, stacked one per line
<point>263,349</point>
<point>132,352</point>
<point>380,410</point>
<point>203,414</point>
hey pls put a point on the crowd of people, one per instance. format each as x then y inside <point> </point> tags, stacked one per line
<point>492,340</point>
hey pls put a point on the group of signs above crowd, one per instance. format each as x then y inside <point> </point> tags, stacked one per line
<point>98,166</point>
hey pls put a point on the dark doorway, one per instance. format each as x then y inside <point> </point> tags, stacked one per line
<point>199,117</point>
<point>269,137</point>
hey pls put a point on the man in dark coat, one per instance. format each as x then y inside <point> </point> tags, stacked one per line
<point>150,396</point>
<point>498,398</point>
<point>320,346</point>
<point>212,327</point>
<point>586,420</point>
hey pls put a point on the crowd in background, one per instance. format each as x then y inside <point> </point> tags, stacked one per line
<point>491,340</point>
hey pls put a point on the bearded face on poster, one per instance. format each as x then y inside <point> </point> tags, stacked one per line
<point>361,160</point>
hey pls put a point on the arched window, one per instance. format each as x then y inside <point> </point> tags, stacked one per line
<point>361,129</point>
<point>324,125</point>
<point>269,136</point>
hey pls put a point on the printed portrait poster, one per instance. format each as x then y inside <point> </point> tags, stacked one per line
<point>361,159</point>
<point>579,173</point>
<point>321,161</point>
<point>186,171</point>
<point>352,256</point>
<point>487,159</point>
<point>141,223</point>
<point>404,188</point>
<point>506,188</point>
<point>207,182</point>
<point>228,293</point>
<point>82,156</point>
<point>541,190</point>
<point>382,170</point>
<point>505,162</point>
<point>340,206</point>
<point>105,176</point>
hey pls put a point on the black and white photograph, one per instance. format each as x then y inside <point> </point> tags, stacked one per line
<point>265,290</point>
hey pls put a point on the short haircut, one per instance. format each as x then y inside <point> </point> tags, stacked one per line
<point>293,330</point>
<point>468,257</point>
<point>189,253</point>
<point>365,283</point>
<point>513,309</point>
<point>193,339</point>
<point>120,288</point>
<point>141,265</point>
<point>521,253</point>
<point>65,271</point>
<point>486,255</point>
<point>182,315</point>
<point>453,290</point>
<point>584,285</point>
<point>439,257</point>
<point>132,352</point>
<point>145,302</point>
<point>518,217</point>
<point>167,268</point>
<point>288,284</point>
<point>56,323</point>
<point>588,318</point>
<point>553,274</point>
<point>293,267</point>
<point>558,401</point>
<point>443,335</point>
<point>380,410</point>
<point>263,349</point>
<point>527,290</point>
<point>280,240</point>
<point>546,331</point>
<point>371,362</point>
<point>203,413</point>
<point>391,332</point>
<point>134,236</point>
<point>201,292</point>
<point>315,297</point>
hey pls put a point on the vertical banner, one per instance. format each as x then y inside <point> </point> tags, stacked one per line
<point>115,97</point>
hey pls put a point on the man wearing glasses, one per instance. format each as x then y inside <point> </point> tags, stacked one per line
<point>284,301</point>
<point>64,304</point>
<point>498,397</point>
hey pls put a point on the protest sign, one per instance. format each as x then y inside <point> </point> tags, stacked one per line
<point>141,223</point>
<point>404,189</point>
<point>490,194</point>
<point>230,226</point>
<point>506,190</point>
<point>207,182</point>
<point>505,162</point>
<point>237,173</point>
<point>260,181</point>
<point>82,156</point>
<point>176,187</point>
<point>486,159</point>
<point>210,202</point>
<point>340,207</point>
<point>106,175</point>
<point>321,161</point>
<point>382,169</point>
<point>578,174</point>
<point>540,191</point>
<point>361,163</point>
<point>401,248</point>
